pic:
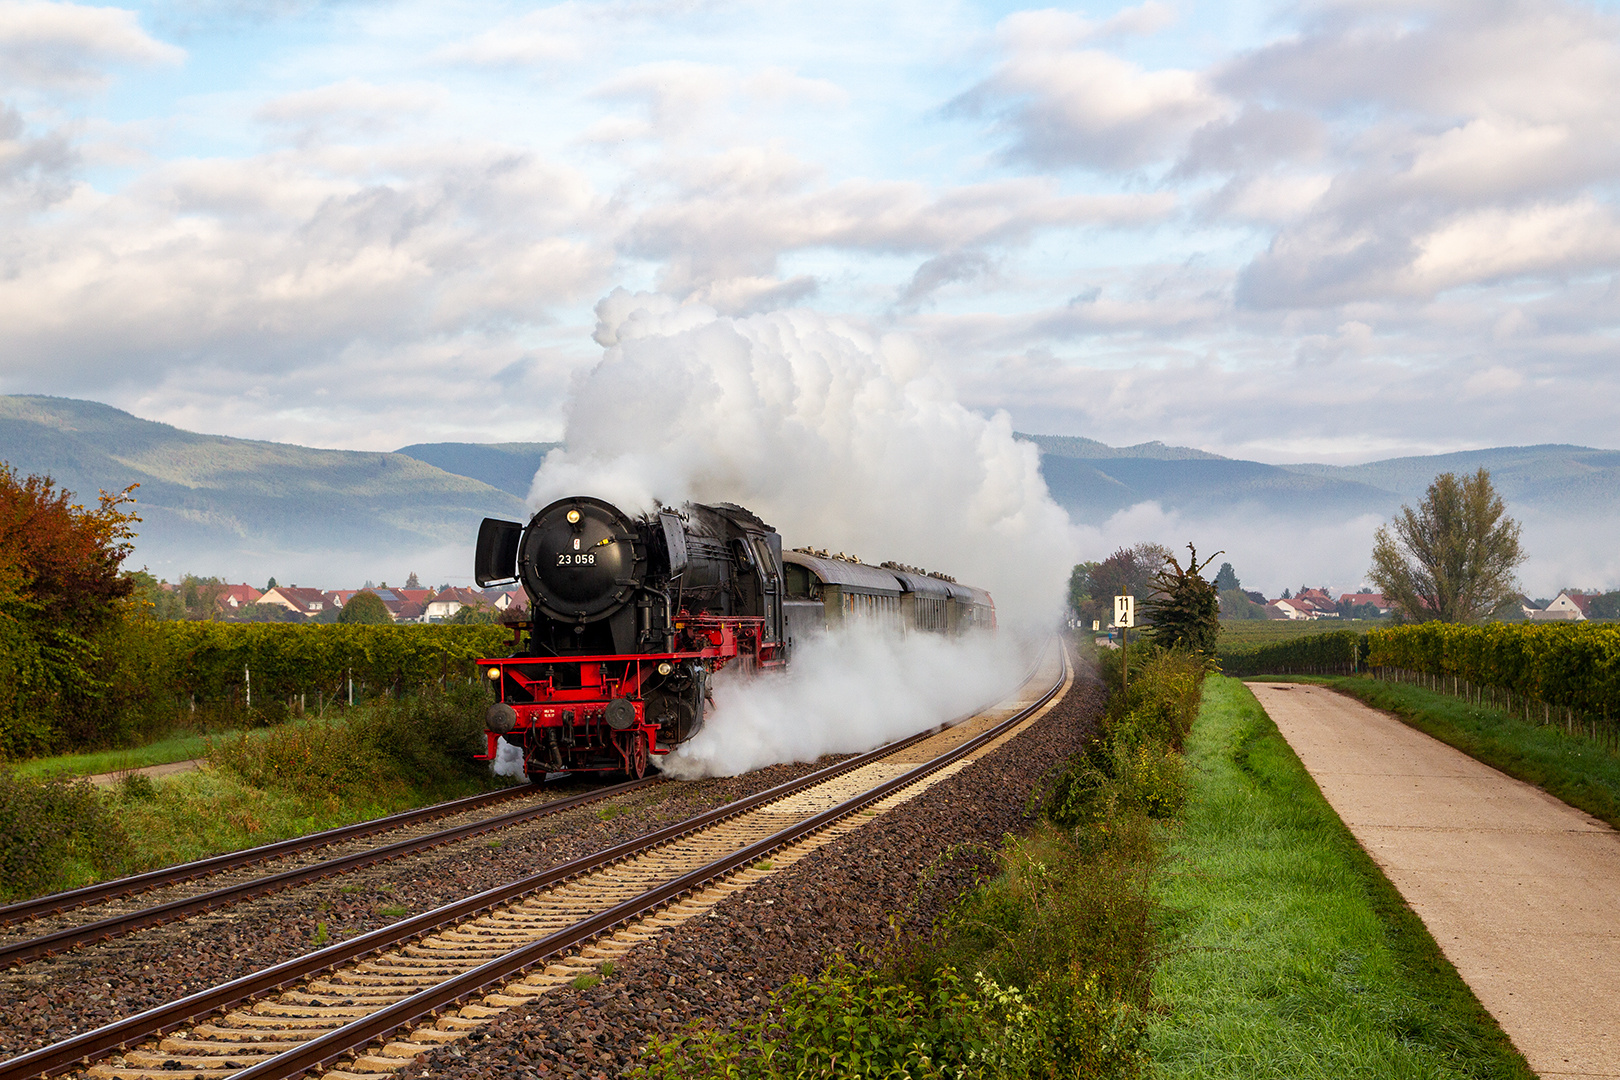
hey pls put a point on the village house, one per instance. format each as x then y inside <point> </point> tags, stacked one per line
<point>306,602</point>
<point>1288,609</point>
<point>451,600</point>
<point>232,598</point>
<point>508,599</point>
<point>1567,607</point>
<point>1376,599</point>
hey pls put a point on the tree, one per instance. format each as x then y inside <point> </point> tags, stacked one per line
<point>1128,571</point>
<point>1080,588</point>
<point>266,613</point>
<point>1237,604</point>
<point>1606,606</point>
<point>154,598</point>
<point>365,607</point>
<point>1185,609</point>
<point>1227,578</point>
<point>413,582</point>
<point>474,615</point>
<point>270,584</point>
<point>62,600</point>
<point>200,595</point>
<point>1451,559</point>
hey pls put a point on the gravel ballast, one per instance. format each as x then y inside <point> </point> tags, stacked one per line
<point>49,1000</point>
<point>896,874</point>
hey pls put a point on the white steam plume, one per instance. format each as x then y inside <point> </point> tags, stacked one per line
<point>508,760</point>
<point>839,439</point>
<point>846,693</point>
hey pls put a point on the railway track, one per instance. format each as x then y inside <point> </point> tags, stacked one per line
<point>24,950</point>
<point>373,1003</point>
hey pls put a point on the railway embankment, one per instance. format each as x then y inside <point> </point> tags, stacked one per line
<point>48,1000</point>
<point>889,881</point>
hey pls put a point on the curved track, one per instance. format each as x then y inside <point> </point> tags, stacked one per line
<point>352,994</point>
<point>34,948</point>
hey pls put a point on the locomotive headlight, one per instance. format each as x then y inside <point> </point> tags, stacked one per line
<point>493,673</point>
<point>664,669</point>
<point>573,517</point>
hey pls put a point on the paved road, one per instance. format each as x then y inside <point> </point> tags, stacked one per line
<point>1521,891</point>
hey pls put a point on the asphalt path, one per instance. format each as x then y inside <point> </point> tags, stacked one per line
<point>1521,891</point>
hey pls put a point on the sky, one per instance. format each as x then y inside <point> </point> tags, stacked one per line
<point>1331,231</point>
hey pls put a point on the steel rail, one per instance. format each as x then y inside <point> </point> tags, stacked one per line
<point>91,1045</point>
<point>325,1049</point>
<point>56,903</point>
<point>21,952</point>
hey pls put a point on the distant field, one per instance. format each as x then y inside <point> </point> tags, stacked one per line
<point>1241,632</point>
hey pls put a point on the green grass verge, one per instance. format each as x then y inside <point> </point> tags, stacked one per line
<point>1568,767</point>
<point>262,786</point>
<point>210,811</point>
<point>1288,954</point>
<point>183,746</point>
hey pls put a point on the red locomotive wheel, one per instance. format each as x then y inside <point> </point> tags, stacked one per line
<point>638,757</point>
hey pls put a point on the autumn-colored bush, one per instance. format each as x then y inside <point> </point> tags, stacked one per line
<point>62,602</point>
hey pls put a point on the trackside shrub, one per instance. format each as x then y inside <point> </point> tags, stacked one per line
<point>54,834</point>
<point>1162,697</point>
<point>854,1022</point>
<point>424,741</point>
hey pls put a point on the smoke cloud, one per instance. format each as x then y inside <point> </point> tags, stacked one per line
<point>846,693</point>
<point>841,439</point>
<point>508,760</point>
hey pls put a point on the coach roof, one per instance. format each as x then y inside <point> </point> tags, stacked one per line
<point>841,572</point>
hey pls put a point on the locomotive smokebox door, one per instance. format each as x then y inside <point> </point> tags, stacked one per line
<point>580,561</point>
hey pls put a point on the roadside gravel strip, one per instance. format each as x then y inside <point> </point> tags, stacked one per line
<point>896,873</point>
<point>48,1000</point>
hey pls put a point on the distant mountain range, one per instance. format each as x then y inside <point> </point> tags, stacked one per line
<point>214,504</point>
<point>1092,480</point>
<point>240,507</point>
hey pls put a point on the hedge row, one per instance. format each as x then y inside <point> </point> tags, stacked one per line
<point>1335,652</point>
<point>1573,665</point>
<point>145,676</point>
<point>210,661</point>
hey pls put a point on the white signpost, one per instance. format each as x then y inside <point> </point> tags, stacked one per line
<point>1125,618</point>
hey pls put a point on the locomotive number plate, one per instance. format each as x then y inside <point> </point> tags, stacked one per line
<point>584,558</point>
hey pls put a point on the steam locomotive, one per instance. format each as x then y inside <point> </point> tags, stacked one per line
<point>630,617</point>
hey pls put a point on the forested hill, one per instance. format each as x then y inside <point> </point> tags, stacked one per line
<point>508,466</point>
<point>1573,479</point>
<point>1092,480</point>
<point>245,508</point>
